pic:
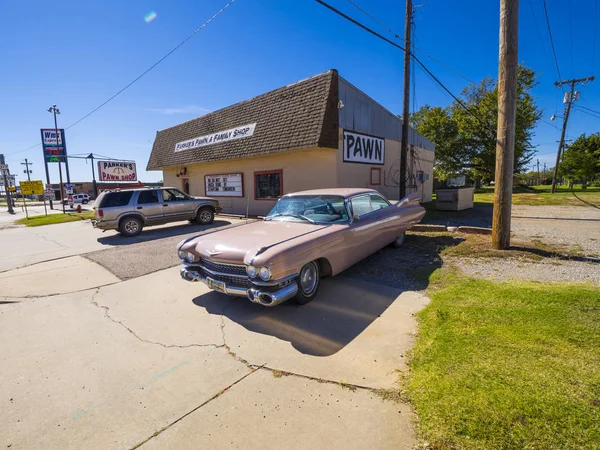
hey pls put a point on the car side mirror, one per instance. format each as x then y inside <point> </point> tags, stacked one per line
<point>355,218</point>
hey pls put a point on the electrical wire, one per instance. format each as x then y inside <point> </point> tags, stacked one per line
<point>393,33</point>
<point>200,28</point>
<point>414,57</point>
<point>374,19</point>
<point>552,40</point>
<point>589,109</point>
<point>535,21</point>
<point>586,112</point>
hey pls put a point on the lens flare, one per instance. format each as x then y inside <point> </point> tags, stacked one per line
<point>150,17</point>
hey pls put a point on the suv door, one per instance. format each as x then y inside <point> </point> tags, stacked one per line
<point>150,205</point>
<point>177,205</point>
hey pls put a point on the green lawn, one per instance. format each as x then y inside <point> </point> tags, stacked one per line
<point>541,195</point>
<point>507,365</point>
<point>50,219</point>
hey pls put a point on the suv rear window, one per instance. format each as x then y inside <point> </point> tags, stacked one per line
<point>116,199</point>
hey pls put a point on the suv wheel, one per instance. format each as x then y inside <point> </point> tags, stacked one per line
<point>85,202</point>
<point>130,226</point>
<point>205,216</point>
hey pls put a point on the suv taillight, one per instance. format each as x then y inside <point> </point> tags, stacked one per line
<point>100,213</point>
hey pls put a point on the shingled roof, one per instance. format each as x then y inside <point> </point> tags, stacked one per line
<point>297,116</point>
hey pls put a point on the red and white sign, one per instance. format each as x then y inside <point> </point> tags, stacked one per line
<point>116,171</point>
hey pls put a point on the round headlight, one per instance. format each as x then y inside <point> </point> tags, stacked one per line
<point>265,273</point>
<point>190,257</point>
<point>251,271</point>
<point>182,254</point>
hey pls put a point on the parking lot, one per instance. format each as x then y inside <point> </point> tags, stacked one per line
<point>104,346</point>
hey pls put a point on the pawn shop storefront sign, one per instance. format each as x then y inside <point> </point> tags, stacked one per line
<point>116,171</point>
<point>363,149</point>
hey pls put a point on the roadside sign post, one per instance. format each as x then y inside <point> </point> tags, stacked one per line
<point>34,187</point>
<point>5,175</point>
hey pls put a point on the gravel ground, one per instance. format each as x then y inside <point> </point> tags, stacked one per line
<point>567,225</point>
<point>543,271</point>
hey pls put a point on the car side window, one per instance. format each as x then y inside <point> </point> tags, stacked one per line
<point>361,205</point>
<point>146,197</point>
<point>378,202</point>
<point>173,195</point>
<point>112,199</point>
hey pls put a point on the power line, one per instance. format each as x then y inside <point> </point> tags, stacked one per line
<point>535,21</point>
<point>551,39</point>
<point>200,28</point>
<point>374,19</point>
<point>393,33</point>
<point>589,109</point>
<point>586,112</point>
<point>415,58</point>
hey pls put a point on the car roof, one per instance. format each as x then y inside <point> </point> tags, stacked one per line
<point>342,192</point>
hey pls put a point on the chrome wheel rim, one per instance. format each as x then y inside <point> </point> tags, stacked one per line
<point>132,226</point>
<point>204,216</point>
<point>308,278</point>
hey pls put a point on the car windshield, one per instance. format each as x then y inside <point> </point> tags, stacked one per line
<point>310,208</point>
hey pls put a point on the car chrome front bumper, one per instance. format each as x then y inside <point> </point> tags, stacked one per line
<point>265,298</point>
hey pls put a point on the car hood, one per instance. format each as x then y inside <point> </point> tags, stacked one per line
<point>239,244</point>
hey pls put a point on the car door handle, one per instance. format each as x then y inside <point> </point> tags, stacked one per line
<point>139,207</point>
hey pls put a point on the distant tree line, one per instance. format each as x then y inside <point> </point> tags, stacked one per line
<point>581,161</point>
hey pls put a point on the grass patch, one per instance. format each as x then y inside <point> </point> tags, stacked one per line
<point>51,219</point>
<point>507,365</point>
<point>480,246</point>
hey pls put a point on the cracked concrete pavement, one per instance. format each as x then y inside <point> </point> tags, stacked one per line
<point>88,360</point>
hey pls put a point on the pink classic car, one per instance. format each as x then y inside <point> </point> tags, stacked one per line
<point>306,236</point>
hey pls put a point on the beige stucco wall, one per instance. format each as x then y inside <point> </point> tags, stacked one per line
<point>359,175</point>
<point>302,170</point>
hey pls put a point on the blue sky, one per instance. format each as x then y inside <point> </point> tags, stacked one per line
<point>78,53</point>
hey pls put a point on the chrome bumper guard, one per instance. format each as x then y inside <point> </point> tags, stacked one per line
<point>264,298</point>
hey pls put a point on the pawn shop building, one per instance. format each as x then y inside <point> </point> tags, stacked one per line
<point>321,132</point>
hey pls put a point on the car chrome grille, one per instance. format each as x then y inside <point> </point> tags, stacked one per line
<point>228,280</point>
<point>230,269</point>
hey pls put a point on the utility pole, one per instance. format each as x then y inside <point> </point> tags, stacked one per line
<point>507,111</point>
<point>570,97</point>
<point>5,175</point>
<point>538,164</point>
<point>27,171</point>
<point>405,109</point>
<point>56,111</point>
<point>91,156</point>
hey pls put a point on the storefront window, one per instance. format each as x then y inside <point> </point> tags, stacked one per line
<point>268,184</point>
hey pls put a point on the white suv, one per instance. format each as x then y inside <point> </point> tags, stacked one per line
<point>78,198</point>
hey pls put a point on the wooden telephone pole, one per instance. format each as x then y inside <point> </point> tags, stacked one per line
<point>570,99</point>
<point>405,110</point>
<point>507,111</point>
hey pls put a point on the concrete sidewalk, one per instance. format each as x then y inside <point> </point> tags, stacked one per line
<point>163,363</point>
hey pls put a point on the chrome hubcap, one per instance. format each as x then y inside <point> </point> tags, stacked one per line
<point>205,216</point>
<point>308,279</point>
<point>131,226</point>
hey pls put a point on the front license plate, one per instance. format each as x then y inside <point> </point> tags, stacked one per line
<point>215,284</point>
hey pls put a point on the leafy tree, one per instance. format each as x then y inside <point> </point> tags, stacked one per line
<point>581,159</point>
<point>465,140</point>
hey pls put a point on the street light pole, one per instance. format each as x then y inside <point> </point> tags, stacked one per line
<point>56,111</point>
